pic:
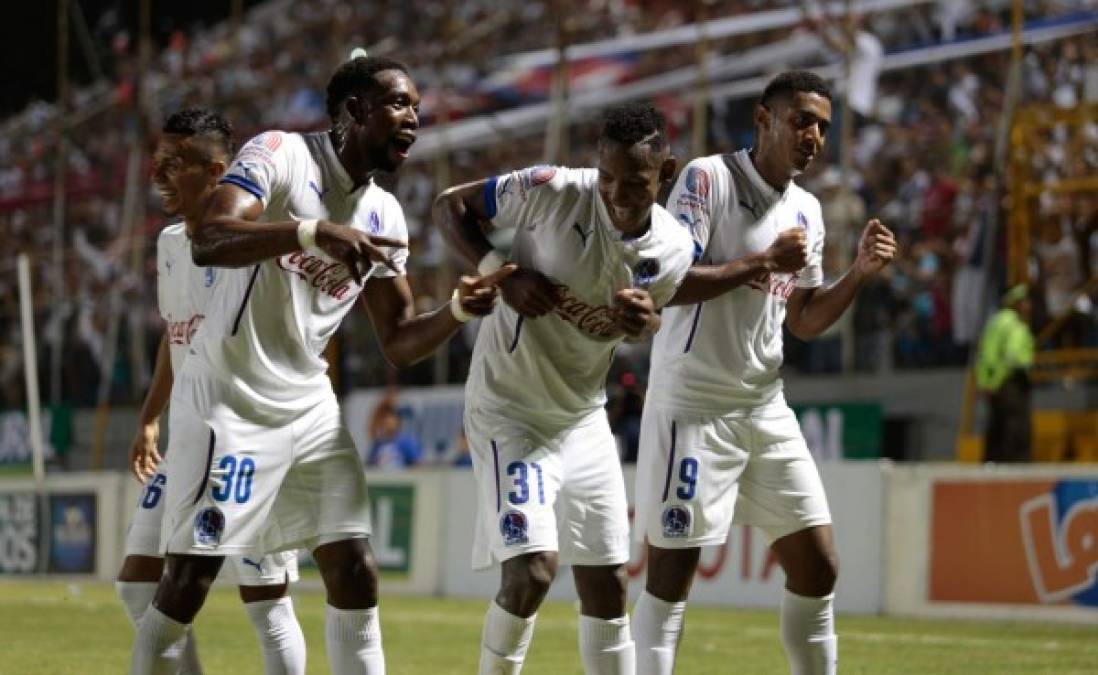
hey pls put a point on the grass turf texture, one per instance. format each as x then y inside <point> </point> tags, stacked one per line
<point>53,627</point>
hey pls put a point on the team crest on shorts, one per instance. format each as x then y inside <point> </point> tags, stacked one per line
<point>209,525</point>
<point>513,526</point>
<point>676,521</point>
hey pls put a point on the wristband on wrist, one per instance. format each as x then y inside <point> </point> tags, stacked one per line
<point>456,309</point>
<point>491,262</point>
<point>306,233</point>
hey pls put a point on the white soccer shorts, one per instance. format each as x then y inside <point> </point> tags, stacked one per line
<point>143,538</point>
<point>244,487</point>
<point>564,493</point>
<point>697,475</point>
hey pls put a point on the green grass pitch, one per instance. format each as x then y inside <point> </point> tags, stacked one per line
<point>60,628</point>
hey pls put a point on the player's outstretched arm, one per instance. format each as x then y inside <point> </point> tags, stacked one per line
<point>788,253</point>
<point>810,311</point>
<point>231,236</point>
<point>144,455</point>
<point>406,338</point>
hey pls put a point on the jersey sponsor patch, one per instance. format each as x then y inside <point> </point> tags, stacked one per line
<point>209,525</point>
<point>676,521</point>
<point>514,528</point>
<point>332,278</point>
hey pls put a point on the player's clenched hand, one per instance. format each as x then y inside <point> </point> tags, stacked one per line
<point>478,294</point>
<point>358,250</point>
<point>789,252</point>
<point>144,455</point>
<point>530,293</point>
<point>635,313</point>
<point>876,248</point>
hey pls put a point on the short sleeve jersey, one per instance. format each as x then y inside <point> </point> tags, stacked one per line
<point>726,352</point>
<point>267,332</point>
<point>183,290</point>
<point>552,369</point>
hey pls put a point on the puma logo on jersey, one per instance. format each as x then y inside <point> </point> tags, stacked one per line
<point>749,207</point>
<point>316,188</point>
<point>582,234</point>
<point>257,565</point>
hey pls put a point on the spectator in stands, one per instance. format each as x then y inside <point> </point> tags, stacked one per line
<point>390,449</point>
<point>1002,372</point>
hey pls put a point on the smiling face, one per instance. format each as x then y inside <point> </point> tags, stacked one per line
<point>390,119</point>
<point>792,131</point>
<point>184,174</point>
<point>629,179</point>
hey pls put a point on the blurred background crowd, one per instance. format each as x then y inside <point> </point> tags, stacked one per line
<point>921,159</point>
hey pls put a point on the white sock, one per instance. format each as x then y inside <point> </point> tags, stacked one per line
<point>136,597</point>
<point>657,625</point>
<point>606,646</point>
<point>808,634</point>
<point>353,638</point>
<point>280,636</point>
<point>159,644</point>
<point>504,642</point>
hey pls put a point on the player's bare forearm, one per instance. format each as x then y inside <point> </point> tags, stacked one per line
<point>405,338</point>
<point>811,311</point>
<point>160,389</point>
<point>705,282</point>
<point>230,236</point>
<point>459,213</point>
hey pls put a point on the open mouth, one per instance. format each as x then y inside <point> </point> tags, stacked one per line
<point>403,142</point>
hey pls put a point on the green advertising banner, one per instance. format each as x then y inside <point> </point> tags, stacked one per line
<point>847,430</point>
<point>392,508</point>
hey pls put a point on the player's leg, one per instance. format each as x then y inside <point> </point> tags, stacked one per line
<point>322,505</point>
<point>517,485</point>
<point>143,566</point>
<point>264,584</point>
<point>782,494</point>
<point>595,539</point>
<point>224,473</point>
<point>687,481</point>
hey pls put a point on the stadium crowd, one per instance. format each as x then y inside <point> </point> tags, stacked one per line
<point>923,162</point>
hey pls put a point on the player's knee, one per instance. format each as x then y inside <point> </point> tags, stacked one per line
<point>350,573</point>
<point>525,581</point>
<point>541,569</point>
<point>185,584</point>
<point>828,571</point>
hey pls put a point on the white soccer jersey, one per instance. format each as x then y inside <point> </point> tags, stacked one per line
<point>267,334</point>
<point>183,289</point>
<point>726,352</point>
<point>552,370</point>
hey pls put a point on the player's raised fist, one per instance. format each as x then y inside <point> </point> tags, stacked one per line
<point>635,313</point>
<point>876,248</point>
<point>478,294</point>
<point>529,292</point>
<point>789,252</point>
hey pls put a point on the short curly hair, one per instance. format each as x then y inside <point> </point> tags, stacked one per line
<point>202,122</point>
<point>355,75</point>
<point>785,85</point>
<point>631,123</point>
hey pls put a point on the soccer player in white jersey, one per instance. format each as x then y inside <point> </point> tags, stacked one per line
<point>269,464</point>
<point>596,260</point>
<point>718,442</point>
<point>191,155</point>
